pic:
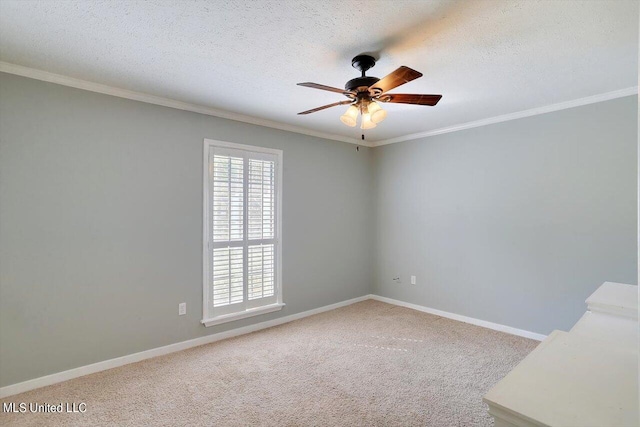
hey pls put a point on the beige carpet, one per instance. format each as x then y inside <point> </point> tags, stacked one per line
<point>368,364</point>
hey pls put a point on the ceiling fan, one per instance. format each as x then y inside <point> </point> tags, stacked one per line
<point>365,92</point>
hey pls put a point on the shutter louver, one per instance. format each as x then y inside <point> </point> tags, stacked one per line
<point>228,198</point>
<point>228,276</point>
<point>261,271</point>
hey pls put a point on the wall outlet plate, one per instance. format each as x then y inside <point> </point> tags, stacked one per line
<point>182,308</point>
<point>413,280</point>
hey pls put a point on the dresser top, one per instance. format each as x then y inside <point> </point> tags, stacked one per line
<point>617,298</point>
<point>571,380</point>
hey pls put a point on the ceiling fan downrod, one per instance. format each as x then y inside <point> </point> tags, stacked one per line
<point>362,83</point>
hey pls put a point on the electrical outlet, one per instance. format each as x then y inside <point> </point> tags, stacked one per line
<point>413,280</point>
<point>182,308</point>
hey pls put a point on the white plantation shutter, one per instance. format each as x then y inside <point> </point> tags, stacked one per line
<point>228,226</point>
<point>261,199</point>
<point>261,228</point>
<point>261,271</point>
<point>243,235</point>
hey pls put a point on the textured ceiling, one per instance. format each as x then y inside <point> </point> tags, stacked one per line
<point>487,58</point>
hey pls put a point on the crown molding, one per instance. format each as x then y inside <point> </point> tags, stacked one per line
<point>46,76</point>
<point>513,116</point>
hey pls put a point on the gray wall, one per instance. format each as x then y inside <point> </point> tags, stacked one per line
<point>515,223</point>
<point>101,224</point>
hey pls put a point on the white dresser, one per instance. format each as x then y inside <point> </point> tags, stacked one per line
<point>585,377</point>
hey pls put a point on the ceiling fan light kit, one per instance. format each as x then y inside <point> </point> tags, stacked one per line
<point>365,93</point>
<point>371,113</point>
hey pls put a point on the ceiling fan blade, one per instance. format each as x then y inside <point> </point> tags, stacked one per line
<point>326,106</point>
<point>406,98</point>
<point>399,77</point>
<point>323,87</point>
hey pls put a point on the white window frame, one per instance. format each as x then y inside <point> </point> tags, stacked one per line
<point>208,319</point>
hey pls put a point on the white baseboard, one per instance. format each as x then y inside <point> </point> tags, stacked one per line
<point>58,377</point>
<point>465,319</point>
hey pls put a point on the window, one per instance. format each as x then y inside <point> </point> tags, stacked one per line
<point>242,255</point>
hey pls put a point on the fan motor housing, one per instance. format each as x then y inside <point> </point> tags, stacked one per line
<point>358,82</point>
